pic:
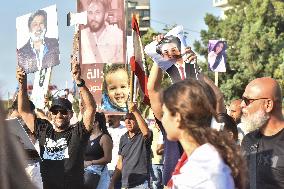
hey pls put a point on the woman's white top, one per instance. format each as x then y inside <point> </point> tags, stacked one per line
<point>204,169</point>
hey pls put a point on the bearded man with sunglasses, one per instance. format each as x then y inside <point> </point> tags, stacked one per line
<point>61,144</point>
<point>261,107</point>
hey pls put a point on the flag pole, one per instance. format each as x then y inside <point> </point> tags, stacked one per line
<point>131,85</point>
<point>216,79</point>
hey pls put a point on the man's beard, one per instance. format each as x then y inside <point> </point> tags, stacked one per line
<point>36,37</point>
<point>95,27</point>
<point>255,121</point>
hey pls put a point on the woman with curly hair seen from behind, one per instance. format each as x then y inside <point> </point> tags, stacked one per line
<point>211,160</point>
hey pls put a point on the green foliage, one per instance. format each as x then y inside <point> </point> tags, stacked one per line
<point>254,31</point>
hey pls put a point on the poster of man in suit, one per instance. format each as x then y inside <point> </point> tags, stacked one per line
<point>169,52</point>
<point>37,40</point>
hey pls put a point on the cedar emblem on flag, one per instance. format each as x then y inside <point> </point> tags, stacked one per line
<point>137,61</point>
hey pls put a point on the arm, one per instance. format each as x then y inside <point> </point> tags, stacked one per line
<point>140,120</point>
<point>160,145</point>
<point>117,172</point>
<point>154,86</point>
<point>23,100</point>
<point>89,102</point>
<point>160,149</point>
<point>106,144</point>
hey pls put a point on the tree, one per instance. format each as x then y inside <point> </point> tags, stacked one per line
<point>254,31</point>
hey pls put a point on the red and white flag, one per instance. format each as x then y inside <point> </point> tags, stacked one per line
<point>137,60</point>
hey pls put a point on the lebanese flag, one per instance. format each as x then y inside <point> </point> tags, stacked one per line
<point>137,60</point>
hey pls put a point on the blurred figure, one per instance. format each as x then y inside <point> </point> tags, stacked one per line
<point>157,148</point>
<point>12,172</point>
<point>116,130</point>
<point>263,145</point>
<point>210,159</point>
<point>98,155</point>
<point>32,156</point>
<point>229,126</point>
<point>235,112</point>
<point>69,95</point>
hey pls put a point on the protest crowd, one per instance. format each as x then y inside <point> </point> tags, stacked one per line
<point>191,139</point>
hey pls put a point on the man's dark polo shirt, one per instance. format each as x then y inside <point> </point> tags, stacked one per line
<point>135,154</point>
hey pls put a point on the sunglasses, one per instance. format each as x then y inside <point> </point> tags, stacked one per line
<point>62,111</point>
<point>248,101</point>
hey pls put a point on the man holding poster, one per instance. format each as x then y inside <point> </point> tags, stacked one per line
<point>39,51</point>
<point>61,143</point>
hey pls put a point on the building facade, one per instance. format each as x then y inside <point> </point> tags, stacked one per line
<point>141,8</point>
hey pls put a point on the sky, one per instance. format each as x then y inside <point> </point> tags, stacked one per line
<point>189,13</point>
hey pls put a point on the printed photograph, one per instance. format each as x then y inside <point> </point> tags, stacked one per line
<point>37,40</point>
<point>170,54</point>
<point>116,88</point>
<point>102,39</point>
<point>217,55</point>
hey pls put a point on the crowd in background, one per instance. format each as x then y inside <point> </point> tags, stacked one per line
<point>192,141</point>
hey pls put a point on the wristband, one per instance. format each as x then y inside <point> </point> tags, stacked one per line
<point>81,84</point>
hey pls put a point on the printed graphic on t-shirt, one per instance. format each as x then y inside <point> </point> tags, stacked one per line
<point>55,150</point>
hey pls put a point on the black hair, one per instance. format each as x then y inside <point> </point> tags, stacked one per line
<point>101,119</point>
<point>229,124</point>
<point>38,13</point>
<point>168,39</point>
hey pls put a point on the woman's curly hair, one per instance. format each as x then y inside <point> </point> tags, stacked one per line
<point>195,101</point>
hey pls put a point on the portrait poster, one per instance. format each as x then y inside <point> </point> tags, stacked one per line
<point>37,40</point>
<point>102,39</point>
<point>151,49</point>
<point>94,76</point>
<point>115,88</point>
<point>217,55</point>
<point>170,55</point>
<point>40,87</point>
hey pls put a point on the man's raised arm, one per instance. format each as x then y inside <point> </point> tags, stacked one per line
<point>140,120</point>
<point>154,86</point>
<point>87,97</point>
<point>24,108</point>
